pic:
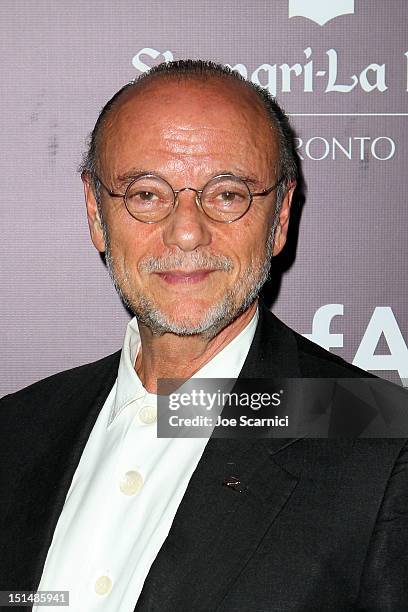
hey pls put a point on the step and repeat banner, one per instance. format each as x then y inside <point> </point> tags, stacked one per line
<point>339,68</point>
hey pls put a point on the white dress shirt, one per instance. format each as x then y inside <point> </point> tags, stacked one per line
<point>126,489</point>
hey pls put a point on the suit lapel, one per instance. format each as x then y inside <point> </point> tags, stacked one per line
<point>218,527</point>
<point>273,352</point>
<point>48,457</point>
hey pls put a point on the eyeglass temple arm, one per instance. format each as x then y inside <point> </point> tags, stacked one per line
<point>111,193</point>
<point>266,192</point>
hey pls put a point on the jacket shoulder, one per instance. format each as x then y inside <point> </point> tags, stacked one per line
<point>312,360</point>
<point>63,383</point>
<point>316,361</point>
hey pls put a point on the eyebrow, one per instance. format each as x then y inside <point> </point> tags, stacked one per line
<point>132,173</point>
<point>251,180</point>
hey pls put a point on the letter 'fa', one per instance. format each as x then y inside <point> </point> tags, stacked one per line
<point>320,11</point>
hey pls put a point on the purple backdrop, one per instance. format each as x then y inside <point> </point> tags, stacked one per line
<point>343,80</point>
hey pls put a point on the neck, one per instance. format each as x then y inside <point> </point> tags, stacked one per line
<point>173,356</point>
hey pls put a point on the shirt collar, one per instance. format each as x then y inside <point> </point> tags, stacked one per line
<point>225,364</point>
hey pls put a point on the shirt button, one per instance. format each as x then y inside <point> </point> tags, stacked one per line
<point>103,585</point>
<point>148,414</point>
<point>131,483</point>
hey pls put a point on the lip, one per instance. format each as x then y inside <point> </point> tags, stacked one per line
<point>177,277</point>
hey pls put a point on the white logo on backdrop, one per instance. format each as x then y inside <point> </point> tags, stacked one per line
<point>320,11</point>
<point>382,324</point>
<point>361,148</point>
<point>311,74</point>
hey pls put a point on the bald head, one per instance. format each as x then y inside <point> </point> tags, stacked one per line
<point>176,125</point>
<point>170,89</point>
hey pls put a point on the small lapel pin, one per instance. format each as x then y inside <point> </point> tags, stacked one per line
<point>234,483</point>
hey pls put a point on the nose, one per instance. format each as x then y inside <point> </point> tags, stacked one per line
<point>187,227</point>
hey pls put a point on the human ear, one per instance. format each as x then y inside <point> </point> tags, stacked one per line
<point>94,220</point>
<point>281,230</point>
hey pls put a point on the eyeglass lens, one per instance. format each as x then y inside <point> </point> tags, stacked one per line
<point>150,198</point>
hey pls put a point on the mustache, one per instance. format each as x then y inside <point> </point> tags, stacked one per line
<point>186,262</point>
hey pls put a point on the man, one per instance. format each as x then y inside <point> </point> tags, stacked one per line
<point>188,184</point>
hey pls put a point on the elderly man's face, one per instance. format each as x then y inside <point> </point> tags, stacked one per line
<point>187,273</point>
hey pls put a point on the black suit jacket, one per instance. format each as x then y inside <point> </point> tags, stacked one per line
<point>319,524</point>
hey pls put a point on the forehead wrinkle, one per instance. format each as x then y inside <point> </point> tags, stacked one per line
<point>193,164</point>
<point>212,137</point>
<point>196,140</point>
<point>189,114</point>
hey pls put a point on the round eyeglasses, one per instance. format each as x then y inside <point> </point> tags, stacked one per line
<point>225,198</point>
